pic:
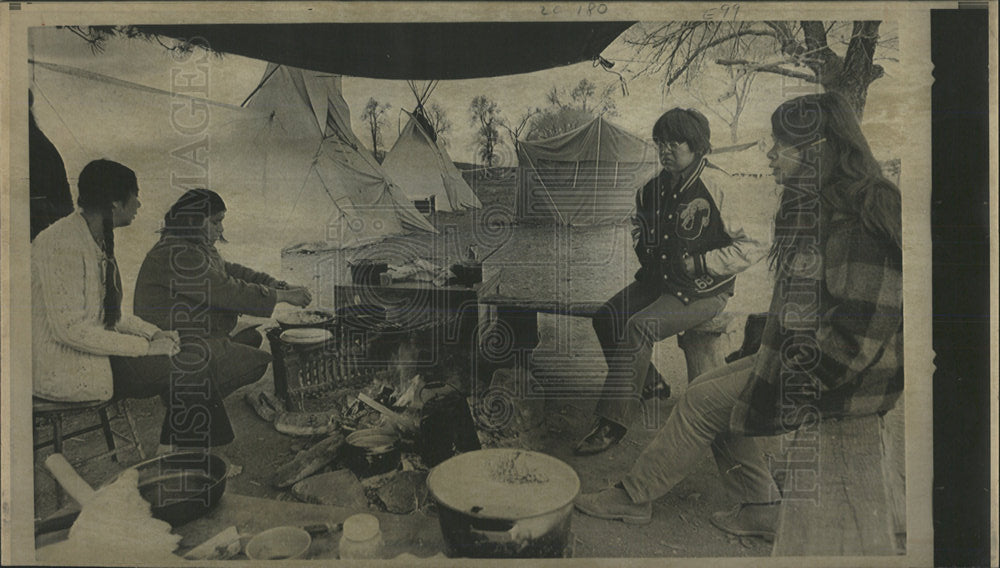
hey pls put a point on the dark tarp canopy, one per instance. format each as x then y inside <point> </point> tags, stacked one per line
<point>460,50</point>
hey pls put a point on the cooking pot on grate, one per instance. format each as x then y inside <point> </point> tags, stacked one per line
<point>504,503</point>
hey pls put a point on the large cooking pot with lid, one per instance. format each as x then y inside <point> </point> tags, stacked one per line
<point>504,503</point>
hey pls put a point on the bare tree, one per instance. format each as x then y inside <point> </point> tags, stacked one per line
<point>522,123</point>
<point>726,92</point>
<point>374,116</point>
<point>486,115</point>
<point>802,50</point>
<point>439,121</point>
<point>553,122</point>
<point>570,108</point>
<point>583,96</point>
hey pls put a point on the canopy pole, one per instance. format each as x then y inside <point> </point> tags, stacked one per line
<point>546,190</point>
<point>262,81</point>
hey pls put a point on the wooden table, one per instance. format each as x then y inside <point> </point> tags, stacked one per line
<point>549,269</point>
<point>570,271</point>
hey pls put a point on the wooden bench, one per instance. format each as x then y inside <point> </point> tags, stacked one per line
<point>706,345</point>
<point>839,491</point>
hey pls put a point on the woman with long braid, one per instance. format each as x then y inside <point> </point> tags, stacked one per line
<point>84,347</point>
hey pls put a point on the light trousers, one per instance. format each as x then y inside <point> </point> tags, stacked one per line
<point>627,326</point>
<point>699,421</point>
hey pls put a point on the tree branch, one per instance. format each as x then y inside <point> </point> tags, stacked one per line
<point>769,68</point>
<point>666,45</point>
<point>701,49</point>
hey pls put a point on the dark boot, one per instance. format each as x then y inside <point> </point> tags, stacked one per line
<point>604,435</point>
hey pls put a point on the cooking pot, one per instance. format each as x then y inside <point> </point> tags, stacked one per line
<point>504,503</point>
<point>468,272</point>
<point>182,486</point>
<point>371,452</point>
<point>446,425</point>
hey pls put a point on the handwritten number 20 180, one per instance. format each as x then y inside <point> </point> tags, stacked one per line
<point>581,10</point>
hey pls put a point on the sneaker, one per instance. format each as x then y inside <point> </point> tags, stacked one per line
<point>614,504</point>
<point>749,519</point>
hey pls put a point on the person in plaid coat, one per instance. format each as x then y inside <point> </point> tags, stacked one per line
<point>833,343</point>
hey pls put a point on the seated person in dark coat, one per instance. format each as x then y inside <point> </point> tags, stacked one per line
<point>184,285</point>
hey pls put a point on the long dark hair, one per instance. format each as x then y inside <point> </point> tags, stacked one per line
<point>839,173</point>
<point>101,183</point>
<point>186,217</point>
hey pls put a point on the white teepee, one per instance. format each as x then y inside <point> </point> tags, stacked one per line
<point>341,197</point>
<point>427,170</point>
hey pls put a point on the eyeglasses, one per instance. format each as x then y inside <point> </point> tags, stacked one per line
<point>669,145</point>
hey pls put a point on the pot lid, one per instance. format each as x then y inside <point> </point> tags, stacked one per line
<point>503,483</point>
<point>305,335</point>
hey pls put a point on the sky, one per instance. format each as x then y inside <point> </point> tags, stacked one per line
<point>232,78</point>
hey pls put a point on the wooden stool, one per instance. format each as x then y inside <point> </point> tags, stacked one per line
<point>836,501</point>
<point>47,412</point>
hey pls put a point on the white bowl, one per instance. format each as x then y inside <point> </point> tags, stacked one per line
<point>305,335</point>
<point>279,543</point>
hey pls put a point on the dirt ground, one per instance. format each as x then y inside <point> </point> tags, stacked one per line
<point>680,526</point>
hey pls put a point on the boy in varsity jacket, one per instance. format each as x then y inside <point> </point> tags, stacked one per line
<point>691,244</point>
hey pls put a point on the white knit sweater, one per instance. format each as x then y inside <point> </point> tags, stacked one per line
<point>69,344</point>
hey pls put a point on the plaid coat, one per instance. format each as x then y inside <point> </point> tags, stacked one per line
<point>833,343</point>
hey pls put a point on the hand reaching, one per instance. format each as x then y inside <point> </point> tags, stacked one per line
<point>295,295</point>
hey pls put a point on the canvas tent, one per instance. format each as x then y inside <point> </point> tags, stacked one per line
<point>426,167</point>
<point>344,199</point>
<point>587,176</point>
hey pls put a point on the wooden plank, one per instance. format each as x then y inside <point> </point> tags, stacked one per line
<point>847,512</point>
<point>559,269</point>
